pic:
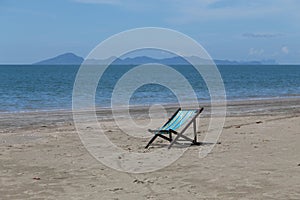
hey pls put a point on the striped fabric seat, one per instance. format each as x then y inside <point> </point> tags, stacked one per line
<point>181,119</point>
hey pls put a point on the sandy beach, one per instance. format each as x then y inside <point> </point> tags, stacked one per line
<point>257,157</point>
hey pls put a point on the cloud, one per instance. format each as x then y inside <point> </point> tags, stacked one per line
<point>262,35</point>
<point>137,6</point>
<point>110,2</point>
<point>256,52</point>
<point>179,10</point>
<point>210,10</point>
<point>184,12</point>
<point>219,4</point>
<point>285,50</point>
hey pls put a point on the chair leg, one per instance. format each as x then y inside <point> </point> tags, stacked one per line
<point>164,137</point>
<point>152,139</point>
<point>159,135</point>
<point>195,131</point>
<point>179,135</point>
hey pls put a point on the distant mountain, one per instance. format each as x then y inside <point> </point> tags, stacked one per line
<point>64,59</point>
<point>230,62</point>
<point>174,61</point>
<point>72,59</point>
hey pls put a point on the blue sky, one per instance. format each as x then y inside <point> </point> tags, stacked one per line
<point>33,30</point>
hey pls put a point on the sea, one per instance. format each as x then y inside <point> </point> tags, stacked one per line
<point>28,88</point>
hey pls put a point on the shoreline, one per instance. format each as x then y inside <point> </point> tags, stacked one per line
<point>234,102</point>
<point>278,107</point>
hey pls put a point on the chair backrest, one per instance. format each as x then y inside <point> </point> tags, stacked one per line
<point>180,118</point>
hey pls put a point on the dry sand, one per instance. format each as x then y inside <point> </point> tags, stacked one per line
<point>257,157</point>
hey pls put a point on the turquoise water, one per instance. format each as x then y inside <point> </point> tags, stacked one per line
<point>33,88</point>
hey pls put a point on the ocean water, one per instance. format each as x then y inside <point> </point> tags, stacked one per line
<point>33,88</point>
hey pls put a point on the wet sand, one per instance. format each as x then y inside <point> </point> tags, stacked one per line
<point>257,157</point>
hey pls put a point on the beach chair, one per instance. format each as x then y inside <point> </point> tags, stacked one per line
<point>180,119</point>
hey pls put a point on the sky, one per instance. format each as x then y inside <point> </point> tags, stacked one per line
<point>33,30</point>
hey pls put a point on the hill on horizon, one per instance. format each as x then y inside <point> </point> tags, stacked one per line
<point>72,59</point>
<point>63,59</point>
